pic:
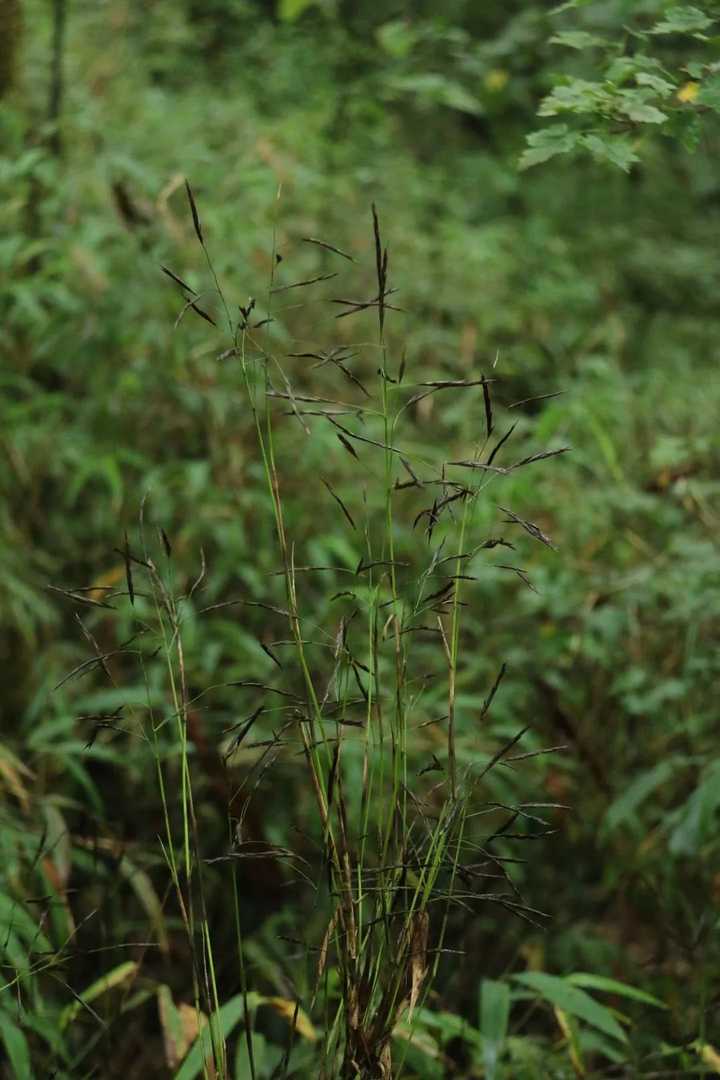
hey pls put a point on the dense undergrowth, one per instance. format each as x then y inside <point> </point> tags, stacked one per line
<point>122,782</point>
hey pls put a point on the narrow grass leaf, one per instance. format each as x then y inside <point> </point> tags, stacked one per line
<point>18,1052</point>
<point>144,889</point>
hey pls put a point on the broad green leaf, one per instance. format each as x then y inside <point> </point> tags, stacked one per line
<point>266,1058</point>
<point>547,143</point>
<point>448,1025</point>
<point>494,1016</point>
<point>639,111</point>
<point>243,1071</point>
<point>433,89</point>
<point>655,82</point>
<point>612,986</point>
<point>576,39</point>
<point>708,93</point>
<point>571,999</point>
<point>611,149</point>
<point>682,20</point>
<point>593,1042</point>
<point>421,1052</point>
<point>577,96</point>
<point>16,1046</point>
<point>690,132</point>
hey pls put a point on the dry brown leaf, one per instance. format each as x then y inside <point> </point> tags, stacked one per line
<point>420,927</point>
<point>181,1024</point>
<point>325,944</point>
<point>385,1062</point>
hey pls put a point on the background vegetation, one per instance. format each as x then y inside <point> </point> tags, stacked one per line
<point>570,253</point>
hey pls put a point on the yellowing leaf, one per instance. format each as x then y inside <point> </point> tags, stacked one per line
<point>418,956</point>
<point>566,1026</point>
<point>709,1056</point>
<point>287,1009</point>
<point>176,1046</point>
<point>122,973</point>
<point>180,1025</point>
<point>688,92</point>
<point>12,771</point>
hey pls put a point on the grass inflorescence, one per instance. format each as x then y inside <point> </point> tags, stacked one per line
<point>364,705</point>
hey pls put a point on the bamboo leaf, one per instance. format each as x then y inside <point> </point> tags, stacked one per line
<point>612,986</point>
<point>571,999</point>
<point>494,1016</point>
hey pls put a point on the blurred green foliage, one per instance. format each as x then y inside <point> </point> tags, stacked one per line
<point>576,276</point>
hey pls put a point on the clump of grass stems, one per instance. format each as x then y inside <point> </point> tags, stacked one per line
<point>394,856</point>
